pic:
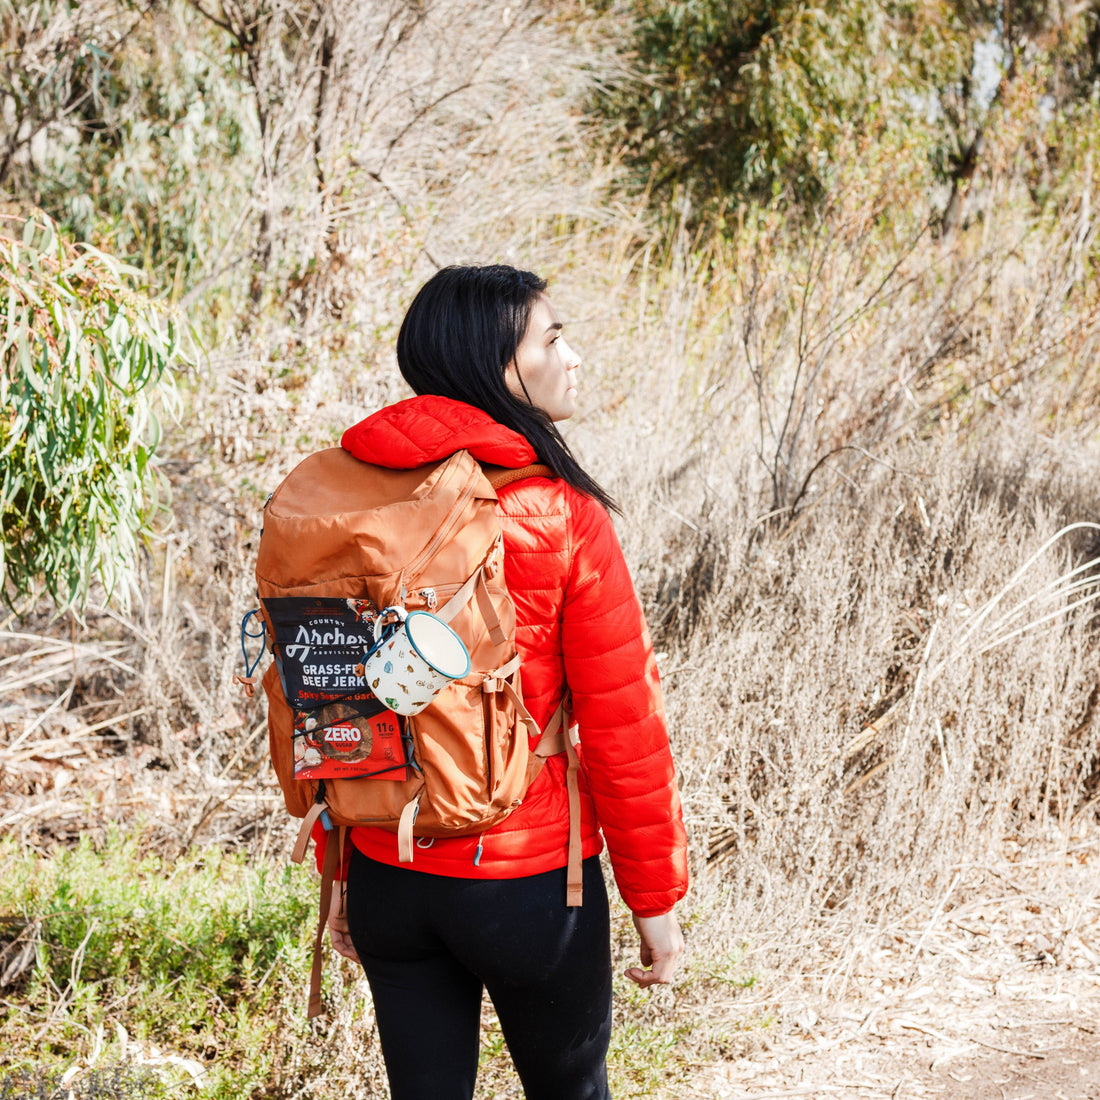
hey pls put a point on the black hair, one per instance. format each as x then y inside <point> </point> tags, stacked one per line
<point>457,340</point>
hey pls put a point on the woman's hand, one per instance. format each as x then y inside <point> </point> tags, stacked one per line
<point>338,925</point>
<point>662,946</point>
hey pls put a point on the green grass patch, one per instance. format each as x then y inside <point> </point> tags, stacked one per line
<point>137,976</point>
<point>647,1059</point>
<point>196,967</point>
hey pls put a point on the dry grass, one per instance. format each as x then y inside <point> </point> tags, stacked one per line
<point>867,749</point>
<point>990,991</point>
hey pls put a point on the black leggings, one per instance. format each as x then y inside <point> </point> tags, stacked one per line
<point>429,944</point>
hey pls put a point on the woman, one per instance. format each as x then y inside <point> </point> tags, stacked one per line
<point>483,349</point>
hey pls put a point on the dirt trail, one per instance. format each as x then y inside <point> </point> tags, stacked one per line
<point>994,995</point>
<point>1055,1063</point>
<point>1068,1068</point>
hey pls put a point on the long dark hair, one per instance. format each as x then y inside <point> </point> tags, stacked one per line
<point>458,338</point>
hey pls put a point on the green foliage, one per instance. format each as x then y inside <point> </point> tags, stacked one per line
<point>755,98</point>
<point>84,360</point>
<point>132,127</point>
<point>193,957</point>
<point>749,97</point>
<point>645,1059</point>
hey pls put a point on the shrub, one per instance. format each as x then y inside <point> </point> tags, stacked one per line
<point>84,362</point>
<point>193,960</point>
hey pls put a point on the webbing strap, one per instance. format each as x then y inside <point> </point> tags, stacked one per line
<point>574,888</point>
<point>299,852</point>
<point>503,673</point>
<point>488,611</point>
<point>475,586</point>
<point>521,711</point>
<point>550,744</point>
<point>405,831</point>
<point>554,735</point>
<point>461,598</point>
<point>334,855</point>
<point>558,737</point>
<point>500,680</point>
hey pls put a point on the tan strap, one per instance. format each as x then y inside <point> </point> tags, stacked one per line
<point>405,831</point>
<point>574,888</point>
<point>498,477</point>
<point>550,744</point>
<point>299,851</point>
<point>505,672</point>
<point>555,734</point>
<point>461,598</point>
<point>488,611</point>
<point>558,737</point>
<point>500,679</point>
<point>475,586</point>
<point>334,857</point>
<point>522,712</point>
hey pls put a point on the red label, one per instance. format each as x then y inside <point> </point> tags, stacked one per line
<point>349,748</point>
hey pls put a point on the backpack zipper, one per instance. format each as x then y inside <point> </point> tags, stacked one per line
<point>445,530</point>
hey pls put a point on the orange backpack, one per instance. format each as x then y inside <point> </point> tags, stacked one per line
<point>343,540</point>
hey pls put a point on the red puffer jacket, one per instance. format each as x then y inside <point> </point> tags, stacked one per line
<point>578,622</point>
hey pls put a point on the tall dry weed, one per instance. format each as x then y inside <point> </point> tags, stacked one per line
<point>830,458</point>
<point>847,742</point>
<point>445,132</point>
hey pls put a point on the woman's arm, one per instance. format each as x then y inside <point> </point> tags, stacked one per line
<point>612,674</point>
<point>662,945</point>
<point>338,926</point>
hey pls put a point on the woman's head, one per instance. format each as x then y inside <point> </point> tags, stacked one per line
<point>489,336</point>
<point>469,335</point>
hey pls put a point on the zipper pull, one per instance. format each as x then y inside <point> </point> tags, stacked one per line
<point>430,598</point>
<point>477,854</point>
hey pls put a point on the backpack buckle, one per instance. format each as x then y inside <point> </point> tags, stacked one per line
<point>495,560</point>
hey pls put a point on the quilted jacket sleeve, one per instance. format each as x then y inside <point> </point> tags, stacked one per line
<point>612,673</point>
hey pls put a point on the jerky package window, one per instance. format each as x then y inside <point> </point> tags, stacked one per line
<point>340,728</point>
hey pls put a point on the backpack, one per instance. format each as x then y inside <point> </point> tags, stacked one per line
<point>342,541</point>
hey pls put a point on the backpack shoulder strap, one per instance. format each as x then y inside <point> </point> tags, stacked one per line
<point>557,737</point>
<point>499,476</point>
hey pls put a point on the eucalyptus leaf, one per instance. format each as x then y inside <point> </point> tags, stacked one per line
<point>82,363</point>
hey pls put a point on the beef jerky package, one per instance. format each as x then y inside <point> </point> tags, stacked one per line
<point>340,728</point>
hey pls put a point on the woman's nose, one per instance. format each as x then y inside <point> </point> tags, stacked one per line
<point>572,359</point>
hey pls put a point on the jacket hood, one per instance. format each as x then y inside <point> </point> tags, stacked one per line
<point>427,428</point>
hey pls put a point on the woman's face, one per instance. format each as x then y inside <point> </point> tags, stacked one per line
<point>544,371</point>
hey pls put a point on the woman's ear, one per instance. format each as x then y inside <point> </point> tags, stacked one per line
<point>514,381</point>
